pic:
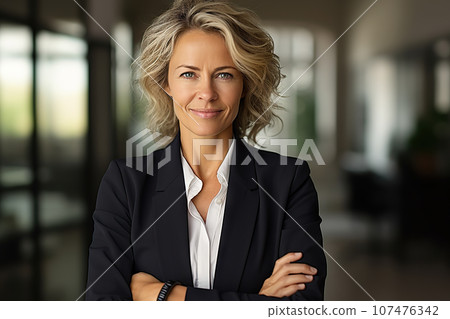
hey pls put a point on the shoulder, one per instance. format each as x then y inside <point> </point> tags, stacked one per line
<point>275,162</point>
<point>138,166</point>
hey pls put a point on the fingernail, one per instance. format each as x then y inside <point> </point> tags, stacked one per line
<point>301,286</point>
<point>314,270</point>
<point>309,277</point>
<point>298,254</point>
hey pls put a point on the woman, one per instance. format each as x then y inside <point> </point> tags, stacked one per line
<point>219,220</point>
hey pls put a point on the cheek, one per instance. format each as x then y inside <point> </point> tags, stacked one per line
<point>239,90</point>
<point>181,93</point>
<point>237,96</point>
<point>230,91</point>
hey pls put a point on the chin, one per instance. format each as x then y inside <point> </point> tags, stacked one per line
<point>207,133</point>
<point>210,132</point>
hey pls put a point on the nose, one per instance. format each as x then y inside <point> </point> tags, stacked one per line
<point>206,90</point>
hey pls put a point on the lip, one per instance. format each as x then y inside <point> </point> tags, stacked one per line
<point>206,113</point>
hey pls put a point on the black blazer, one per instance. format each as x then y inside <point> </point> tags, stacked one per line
<point>151,212</point>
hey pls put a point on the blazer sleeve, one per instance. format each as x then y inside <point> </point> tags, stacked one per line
<point>110,254</point>
<point>300,233</point>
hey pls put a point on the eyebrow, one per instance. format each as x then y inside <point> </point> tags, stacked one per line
<point>198,69</point>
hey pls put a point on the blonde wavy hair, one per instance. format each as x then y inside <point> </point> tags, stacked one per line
<point>251,49</point>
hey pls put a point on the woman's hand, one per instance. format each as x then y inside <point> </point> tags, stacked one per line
<point>145,287</point>
<point>287,277</point>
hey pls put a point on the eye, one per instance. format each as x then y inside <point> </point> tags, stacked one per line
<point>225,76</point>
<point>187,75</point>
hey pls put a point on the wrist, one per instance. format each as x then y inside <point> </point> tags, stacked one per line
<point>148,291</point>
<point>166,290</point>
<point>178,293</point>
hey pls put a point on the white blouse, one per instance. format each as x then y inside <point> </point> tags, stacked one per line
<point>204,238</point>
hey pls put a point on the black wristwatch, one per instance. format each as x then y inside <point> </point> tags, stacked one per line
<point>165,290</point>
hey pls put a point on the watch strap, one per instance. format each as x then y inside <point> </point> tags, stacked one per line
<point>165,290</point>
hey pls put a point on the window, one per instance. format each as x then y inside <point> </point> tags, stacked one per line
<point>309,88</point>
<point>43,132</point>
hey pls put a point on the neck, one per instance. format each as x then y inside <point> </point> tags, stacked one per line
<point>205,154</point>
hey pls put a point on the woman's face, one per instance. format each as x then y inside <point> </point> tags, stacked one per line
<point>205,85</point>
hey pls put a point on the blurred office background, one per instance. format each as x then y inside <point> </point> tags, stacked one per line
<point>376,105</point>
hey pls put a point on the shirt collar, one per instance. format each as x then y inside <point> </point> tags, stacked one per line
<point>223,173</point>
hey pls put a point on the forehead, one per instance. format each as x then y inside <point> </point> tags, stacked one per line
<point>197,45</point>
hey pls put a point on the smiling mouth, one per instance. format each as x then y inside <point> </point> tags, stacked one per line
<point>206,113</point>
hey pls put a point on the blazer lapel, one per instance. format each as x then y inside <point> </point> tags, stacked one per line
<point>241,210</point>
<point>172,227</point>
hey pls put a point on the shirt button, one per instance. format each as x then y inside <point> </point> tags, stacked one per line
<point>219,201</point>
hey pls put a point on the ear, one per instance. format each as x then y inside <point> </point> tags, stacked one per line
<point>167,90</point>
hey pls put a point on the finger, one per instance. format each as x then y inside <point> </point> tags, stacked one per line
<point>294,268</point>
<point>286,259</point>
<point>296,280</point>
<point>289,284</point>
<point>290,280</point>
<point>298,268</point>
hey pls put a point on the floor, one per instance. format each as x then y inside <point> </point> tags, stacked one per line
<point>366,260</point>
